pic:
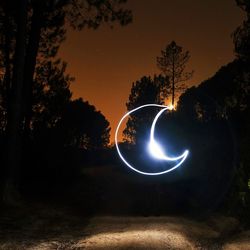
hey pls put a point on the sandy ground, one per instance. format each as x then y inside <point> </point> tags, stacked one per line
<point>58,230</point>
<point>162,233</point>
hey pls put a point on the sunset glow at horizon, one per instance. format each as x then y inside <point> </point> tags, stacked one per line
<point>105,62</point>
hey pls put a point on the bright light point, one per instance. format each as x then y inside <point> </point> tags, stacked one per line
<point>171,107</point>
<point>154,147</point>
<point>156,150</point>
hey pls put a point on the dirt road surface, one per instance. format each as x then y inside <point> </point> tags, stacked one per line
<point>55,230</point>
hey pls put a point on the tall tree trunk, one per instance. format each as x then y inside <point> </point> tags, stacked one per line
<point>7,74</point>
<point>173,82</point>
<point>173,93</point>
<point>30,64</point>
<point>14,126</point>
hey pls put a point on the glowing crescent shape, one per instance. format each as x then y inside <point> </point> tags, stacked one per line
<point>154,147</point>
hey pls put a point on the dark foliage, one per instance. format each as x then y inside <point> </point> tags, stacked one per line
<point>144,91</point>
<point>212,121</point>
<point>172,64</point>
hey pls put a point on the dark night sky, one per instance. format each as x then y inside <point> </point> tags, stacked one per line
<point>106,61</point>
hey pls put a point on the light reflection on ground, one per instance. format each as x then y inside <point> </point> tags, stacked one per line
<point>151,233</point>
<point>52,229</point>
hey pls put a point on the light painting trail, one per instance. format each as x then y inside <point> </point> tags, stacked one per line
<point>154,147</point>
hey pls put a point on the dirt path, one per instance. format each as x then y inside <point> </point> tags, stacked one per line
<point>162,233</point>
<point>55,230</point>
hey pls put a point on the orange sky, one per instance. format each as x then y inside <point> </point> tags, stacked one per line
<point>106,61</point>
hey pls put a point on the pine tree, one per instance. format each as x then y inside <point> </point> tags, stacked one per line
<point>172,64</point>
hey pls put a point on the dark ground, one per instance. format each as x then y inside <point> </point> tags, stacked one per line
<point>110,211</point>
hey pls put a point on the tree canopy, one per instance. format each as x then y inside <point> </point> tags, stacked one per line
<point>144,91</point>
<point>172,64</point>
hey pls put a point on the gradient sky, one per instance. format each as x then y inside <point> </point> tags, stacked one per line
<point>106,61</point>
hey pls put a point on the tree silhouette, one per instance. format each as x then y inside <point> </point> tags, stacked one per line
<point>51,94</point>
<point>15,105</point>
<point>83,126</point>
<point>218,111</point>
<point>37,29</point>
<point>144,91</point>
<point>242,33</point>
<point>172,64</point>
<point>241,38</point>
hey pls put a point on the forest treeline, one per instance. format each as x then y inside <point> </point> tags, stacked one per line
<point>47,137</point>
